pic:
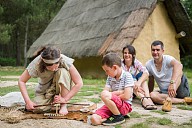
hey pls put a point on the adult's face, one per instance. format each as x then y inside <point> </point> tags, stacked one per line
<point>126,56</point>
<point>53,67</point>
<point>157,52</point>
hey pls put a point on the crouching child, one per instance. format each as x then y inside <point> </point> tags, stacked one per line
<point>117,94</point>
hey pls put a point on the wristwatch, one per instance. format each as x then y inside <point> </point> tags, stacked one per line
<point>172,82</point>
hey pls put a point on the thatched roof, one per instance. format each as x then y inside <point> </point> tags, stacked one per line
<point>92,27</point>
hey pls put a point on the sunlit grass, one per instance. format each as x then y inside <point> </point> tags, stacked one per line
<point>159,111</point>
<point>5,90</point>
<point>140,125</point>
<point>164,121</point>
<point>185,107</point>
<point>94,81</point>
<point>11,71</point>
<point>135,115</point>
<point>95,100</point>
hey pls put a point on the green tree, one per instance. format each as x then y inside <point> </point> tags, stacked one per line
<point>188,6</point>
<point>22,22</point>
<point>5,30</point>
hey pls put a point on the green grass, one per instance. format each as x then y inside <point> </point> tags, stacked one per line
<point>164,121</point>
<point>135,115</point>
<point>95,100</point>
<point>185,107</point>
<point>5,90</point>
<point>16,79</point>
<point>159,111</point>
<point>11,71</point>
<point>94,81</point>
<point>140,125</point>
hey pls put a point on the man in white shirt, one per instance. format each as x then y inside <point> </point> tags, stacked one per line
<point>168,74</point>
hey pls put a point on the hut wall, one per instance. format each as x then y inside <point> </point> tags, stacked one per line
<point>157,27</point>
<point>90,67</point>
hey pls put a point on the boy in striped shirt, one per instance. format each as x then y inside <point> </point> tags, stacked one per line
<point>117,94</point>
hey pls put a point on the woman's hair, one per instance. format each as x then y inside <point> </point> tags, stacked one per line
<point>132,51</point>
<point>111,59</point>
<point>48,53</point>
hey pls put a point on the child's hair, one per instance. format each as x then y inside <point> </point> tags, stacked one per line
<point>111,59</point>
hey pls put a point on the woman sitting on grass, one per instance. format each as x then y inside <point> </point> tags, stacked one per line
<point>140,75</point>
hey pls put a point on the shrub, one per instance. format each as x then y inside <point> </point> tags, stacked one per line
<point>7,62</point>
<point>187,61</point>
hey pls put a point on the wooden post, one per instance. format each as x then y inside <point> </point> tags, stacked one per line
<point>180,35</point>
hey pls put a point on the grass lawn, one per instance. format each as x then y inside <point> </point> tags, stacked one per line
<point>90,88</point>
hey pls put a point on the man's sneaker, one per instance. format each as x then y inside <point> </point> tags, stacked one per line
<point>167,105</point>
<point>114,120</point>
<point>188,100</point>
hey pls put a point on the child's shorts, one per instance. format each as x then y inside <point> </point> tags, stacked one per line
<point>122,106</point>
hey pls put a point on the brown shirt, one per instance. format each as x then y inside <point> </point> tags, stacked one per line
<point>45,78</point>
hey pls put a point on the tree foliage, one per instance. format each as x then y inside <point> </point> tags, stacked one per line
<point>188,6</point>
<point>16,16</point>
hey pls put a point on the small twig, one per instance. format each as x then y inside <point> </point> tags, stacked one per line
<point>51,104</point>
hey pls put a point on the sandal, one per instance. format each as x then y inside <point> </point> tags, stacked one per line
<point>148,107</point>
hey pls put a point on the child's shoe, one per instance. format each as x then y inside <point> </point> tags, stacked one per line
<point>114,120</point>
<point>167,105</point>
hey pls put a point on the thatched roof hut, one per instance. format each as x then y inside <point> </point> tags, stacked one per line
<point>86,29</point>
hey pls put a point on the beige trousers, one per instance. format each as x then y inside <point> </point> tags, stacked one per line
<point>61,78</point>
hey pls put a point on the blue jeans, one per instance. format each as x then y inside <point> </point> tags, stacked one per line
<point>137,76</point>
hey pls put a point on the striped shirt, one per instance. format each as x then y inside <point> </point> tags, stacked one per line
<point>126,80</point>
<point>134,70</point>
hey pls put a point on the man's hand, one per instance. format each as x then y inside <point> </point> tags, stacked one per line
<point>172,90</point>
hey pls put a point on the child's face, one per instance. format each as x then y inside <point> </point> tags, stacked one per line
<point>112,72</point>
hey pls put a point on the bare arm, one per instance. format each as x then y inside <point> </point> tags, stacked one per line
<point>151,83</point>
<point>177,70</point>
<point>22,86</point>
<point>126,94</point>
<point>142,79</point>
<point>176,77</point>
<point>76,78</point>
